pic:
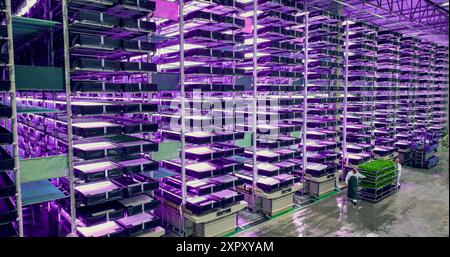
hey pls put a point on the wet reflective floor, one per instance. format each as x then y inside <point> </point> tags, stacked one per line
<point>419,208</point>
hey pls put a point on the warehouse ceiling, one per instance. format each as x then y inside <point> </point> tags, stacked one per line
<point>425,19</point>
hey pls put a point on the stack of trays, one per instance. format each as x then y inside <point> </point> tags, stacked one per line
<point>383,150</point>
<point>201,205</point>
<point>107,229</point>
<point>388,83</point>
<point>98,192</point>
<point>114,137</point>
<point>204,169</point>
<point>106,128</point>
<point>380,180</point>
<point>319,170</point>
<point>271,184</point>
<point>206,186</point>
<point>113,147</point>
<point>274,156</point>
<point>215,151</point>
<point>98,170</point>
<point>139,223</point>
<point>277,142</point>
<point>212,52</point>
<point>323,143</point>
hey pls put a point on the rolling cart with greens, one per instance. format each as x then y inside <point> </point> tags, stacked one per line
<point>380,181</point>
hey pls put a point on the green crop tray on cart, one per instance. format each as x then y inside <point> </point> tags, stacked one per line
<point>379,184</point>
<point>380,181</point>
<point>376,166</point>
<point>379,174</point>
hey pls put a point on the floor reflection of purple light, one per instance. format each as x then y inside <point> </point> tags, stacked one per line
<point>241,220</point>
<point>342,205</point>
<point>342,233</point>
<point>252,234</point>
<point>299,223</point>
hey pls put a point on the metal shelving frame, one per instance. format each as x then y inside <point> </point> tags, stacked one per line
<point>392,95</point>
<point>12,92</point>
<point>188,100</point>
<point>363,83</point>
<point>441,87</point>
<point>141,139</point>
<point>254,99</point>
<point>328,54</point>
<point>68,90</point>
<point>387,84</point>
<point>406,124</point>
<point>270,91</point>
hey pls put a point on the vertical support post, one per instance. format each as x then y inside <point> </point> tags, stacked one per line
<point>390,94</point>
<point>447,91</point>
<point>305,94</point>
<point>73,210</point>
<point>234,80</point>
<point>254,102</point>
<point>182,101</point>
<point>12,78</point>
<point>373,105</point>
<point>344,133</point>
<point>397,84</point>
<point>52,36</point>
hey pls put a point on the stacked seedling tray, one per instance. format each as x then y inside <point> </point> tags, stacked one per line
<point>424,87</point>
<point>113,131</point>
<point>8,211</point>
<point>361,88</point>
<point>279,102</point>
<point>42,129</point>
<point>212,95</point>
<point>380,181</point>
<point>440,92</point>
<point>425,139</point>
<point>406,103</point>
<point>326,47</point>
<point>386,92</point>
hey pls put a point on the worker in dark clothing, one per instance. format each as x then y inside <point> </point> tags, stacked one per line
<point>352,185</point>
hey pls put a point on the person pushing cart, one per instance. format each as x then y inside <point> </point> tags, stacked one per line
<point>352,185</point>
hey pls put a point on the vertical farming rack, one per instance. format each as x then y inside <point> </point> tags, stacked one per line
<point>194,115</point>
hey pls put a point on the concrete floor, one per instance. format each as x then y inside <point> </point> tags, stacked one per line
<point>419,208</point>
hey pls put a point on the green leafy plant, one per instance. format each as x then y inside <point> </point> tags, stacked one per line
<point>376,165</point>
<point>379,173</point>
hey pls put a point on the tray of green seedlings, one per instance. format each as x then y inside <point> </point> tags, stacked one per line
<point>380,183</point>
<point>379,173</point>
<point>382,175</point>
<point>377,168</point>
